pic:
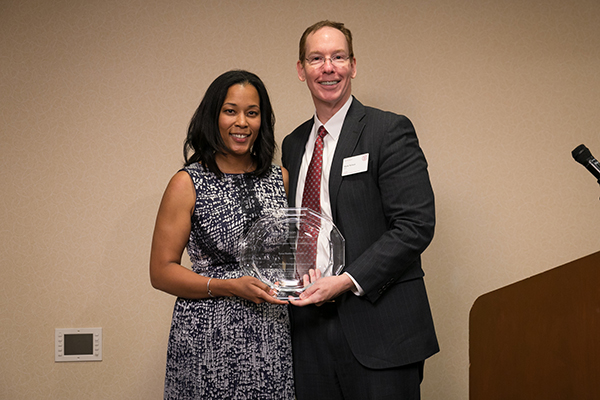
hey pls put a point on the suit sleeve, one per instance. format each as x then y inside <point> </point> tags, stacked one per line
<point>284,154</point>
<point>401,226</point>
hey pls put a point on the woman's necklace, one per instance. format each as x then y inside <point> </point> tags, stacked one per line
<point>250,167</point>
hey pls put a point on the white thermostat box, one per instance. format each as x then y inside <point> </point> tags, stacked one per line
<point>78,344</point>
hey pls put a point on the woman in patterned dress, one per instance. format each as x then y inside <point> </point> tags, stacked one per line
<point>230,336</point>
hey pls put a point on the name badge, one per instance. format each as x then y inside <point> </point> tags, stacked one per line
<point>355,165</point>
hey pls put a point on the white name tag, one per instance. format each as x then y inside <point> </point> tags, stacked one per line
<point>356,164</point>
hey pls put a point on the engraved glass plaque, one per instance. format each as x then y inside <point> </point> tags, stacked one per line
<point>280,248</point>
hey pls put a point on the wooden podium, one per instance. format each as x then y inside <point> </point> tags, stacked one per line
<point>539,338</point>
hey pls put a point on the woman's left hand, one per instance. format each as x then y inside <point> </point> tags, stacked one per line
<point>252,289</point>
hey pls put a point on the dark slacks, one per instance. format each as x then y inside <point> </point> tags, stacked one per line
<point>325,368</point>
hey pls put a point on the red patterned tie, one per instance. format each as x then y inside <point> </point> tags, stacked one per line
<point>311,198</point>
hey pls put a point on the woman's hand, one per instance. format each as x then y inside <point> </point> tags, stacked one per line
<point>247,287</point>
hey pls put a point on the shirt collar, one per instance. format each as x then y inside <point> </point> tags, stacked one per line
<point>334,125</point>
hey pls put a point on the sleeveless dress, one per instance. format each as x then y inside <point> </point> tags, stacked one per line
<point>228,347</point>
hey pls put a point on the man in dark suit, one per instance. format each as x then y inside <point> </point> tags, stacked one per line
<point>363,334</point>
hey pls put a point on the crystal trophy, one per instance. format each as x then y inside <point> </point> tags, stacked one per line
<point>280,248</point>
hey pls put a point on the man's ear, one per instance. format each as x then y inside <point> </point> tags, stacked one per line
<point>301,72</point>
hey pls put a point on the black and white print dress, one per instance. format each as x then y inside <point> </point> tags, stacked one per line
<point>228,347</point>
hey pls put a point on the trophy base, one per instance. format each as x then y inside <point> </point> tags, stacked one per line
<point>287,289</point>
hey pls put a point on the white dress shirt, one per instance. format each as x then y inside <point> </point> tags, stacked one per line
<point>334,129</point>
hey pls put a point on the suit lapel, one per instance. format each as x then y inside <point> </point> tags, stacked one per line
<point>351,131</point>
<point>295,158</point>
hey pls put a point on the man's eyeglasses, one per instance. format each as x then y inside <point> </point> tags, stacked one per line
<point>339,60</point>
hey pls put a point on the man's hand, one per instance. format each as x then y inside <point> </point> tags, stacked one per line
<point>320,290</point>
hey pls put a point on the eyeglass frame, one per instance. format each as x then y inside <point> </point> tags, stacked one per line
<point>340,62</point>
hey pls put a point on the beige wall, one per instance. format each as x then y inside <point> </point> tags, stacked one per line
<point>95,97</point>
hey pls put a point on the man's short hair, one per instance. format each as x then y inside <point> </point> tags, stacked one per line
<point>315,27</point>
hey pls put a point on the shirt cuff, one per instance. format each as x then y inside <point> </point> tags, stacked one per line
<point>357,290</point>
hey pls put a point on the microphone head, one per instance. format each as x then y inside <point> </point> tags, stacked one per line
<point>581,154</point>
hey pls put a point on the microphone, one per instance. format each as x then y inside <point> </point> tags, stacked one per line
<point>582,155</point>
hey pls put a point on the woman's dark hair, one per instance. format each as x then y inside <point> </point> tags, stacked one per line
<point>203,137</point>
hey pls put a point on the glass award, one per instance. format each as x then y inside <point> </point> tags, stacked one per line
<point>280,248</point>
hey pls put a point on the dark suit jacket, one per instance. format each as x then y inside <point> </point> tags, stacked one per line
<point>387,217</point>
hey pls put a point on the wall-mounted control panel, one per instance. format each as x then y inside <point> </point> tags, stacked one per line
<point>78,344</point>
